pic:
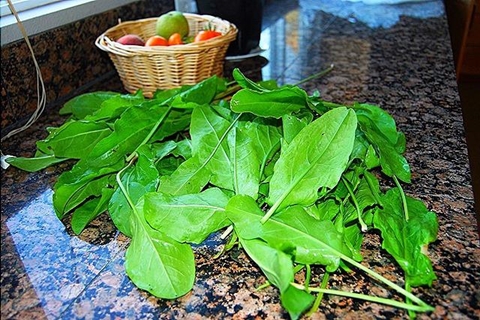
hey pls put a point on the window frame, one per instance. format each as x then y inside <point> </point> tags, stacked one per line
<point>53,15</point>
<point>22,5</point>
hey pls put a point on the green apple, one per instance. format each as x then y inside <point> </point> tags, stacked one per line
<point>170,23</point>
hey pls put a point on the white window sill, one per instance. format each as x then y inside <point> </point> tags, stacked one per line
<point>54,15</point>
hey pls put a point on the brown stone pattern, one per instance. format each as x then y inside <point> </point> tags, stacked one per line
<point>69,61</point>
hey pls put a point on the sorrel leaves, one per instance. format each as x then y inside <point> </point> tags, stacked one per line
<point>296,181</point>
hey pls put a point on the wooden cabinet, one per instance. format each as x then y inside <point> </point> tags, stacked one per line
<point>464,24</point>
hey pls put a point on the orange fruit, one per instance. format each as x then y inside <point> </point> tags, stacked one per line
<point>206,35</point>
<point>156,41</point>
<point>175,39</point>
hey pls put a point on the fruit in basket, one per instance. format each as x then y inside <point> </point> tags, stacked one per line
<point>175,39</point>
<point>206,34</point>
<point>156,41</point>
<point>170,23</point>
<point>131,40</point>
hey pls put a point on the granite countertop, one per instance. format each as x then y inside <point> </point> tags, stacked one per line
<point>397,57</point>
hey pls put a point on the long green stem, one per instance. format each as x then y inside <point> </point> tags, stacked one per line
<point>227,92</point>
<point>273,208</point>
<point>316,75</point>
<point>226,232</point>
<point>274,149</point>
<point>319,298</point>
<point>150,134</point>
<point>390,302</point>
<point>405,210</point>
<point>308,276</point>
<point>331,105</point>
<point>385,280</point>
<point>411,313</point>
<point>402,194</point>
<point>357,206</point>
<point>382,279</point>
<point>121,185</point>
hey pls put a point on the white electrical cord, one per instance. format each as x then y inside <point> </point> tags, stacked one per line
<point>41,93</point>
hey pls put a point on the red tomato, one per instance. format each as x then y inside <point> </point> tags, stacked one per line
<point>206,34</point>
<point>175,39</point>
<point>156,41</point>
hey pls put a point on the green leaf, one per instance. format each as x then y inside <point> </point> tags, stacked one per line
<point>86,104</point>
<point>272,103</point>
<point>380,129</point>
<point>156,263</point>
<point>208,131</point>
<point>129,131</point>
<point>296,301</point>
<point>34,164</point>
<point>251,145</point>
<point>113,108</point>
<point>91,209</point>
<point>360,146</point>
<point>246,164</point>
<point>183,149</point>
<point>198,94</point>
<point>278,268</point>
<point>187,218</point>
<point>293,124</point>
<point>246,83</point>
<point>275,264</point>
<point>91,188</point>
<point>384,122</point>
<point>405,240</point>
<point>190,177</point>
<point>367,195</point>
<point>326,210</point>
<point>164,95</point>
<point>292,230</point>
<point>138,180</point>
<point>75,186</point>
<point>176,121</point>
<point>75,139</point>
<point>316,158</point>
<point>353,235</point>
<point>371,158</point>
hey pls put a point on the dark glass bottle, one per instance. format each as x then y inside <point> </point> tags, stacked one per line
<point>245,14</point>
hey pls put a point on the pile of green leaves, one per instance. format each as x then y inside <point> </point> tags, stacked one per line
<point>296,181</point>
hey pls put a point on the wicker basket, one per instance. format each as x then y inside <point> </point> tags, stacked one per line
<point>165,67</point>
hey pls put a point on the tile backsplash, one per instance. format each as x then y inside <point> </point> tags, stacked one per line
<point>70,62</point>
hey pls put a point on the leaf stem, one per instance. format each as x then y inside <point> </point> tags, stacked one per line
<point>316,75</point>
<point>266,284</point>
<point>390,302</point>
<point>402,195</point>
<point>411,313</point>
<point>357,206</point>
<point>296,269</point>
<point>308,276</point>
<point>150,134</point>
<point>385,280</point>
<point>319,298</point>
<point>271,211</point>
<point>120,183</point>
<point>226,232</point>
<point>227,92</point>
<point>332,105</point>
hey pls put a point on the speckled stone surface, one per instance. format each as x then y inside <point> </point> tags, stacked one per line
<point>69,61</point>
<point>405,66</point>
